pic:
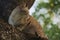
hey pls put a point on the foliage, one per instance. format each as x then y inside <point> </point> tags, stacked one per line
<point>52,30</point>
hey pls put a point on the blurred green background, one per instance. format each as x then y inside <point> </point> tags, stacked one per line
<point>48,15</point>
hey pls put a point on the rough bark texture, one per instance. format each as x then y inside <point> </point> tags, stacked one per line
<point>7,32</point>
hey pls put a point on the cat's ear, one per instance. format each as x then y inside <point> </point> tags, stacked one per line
<point>30,3</point>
